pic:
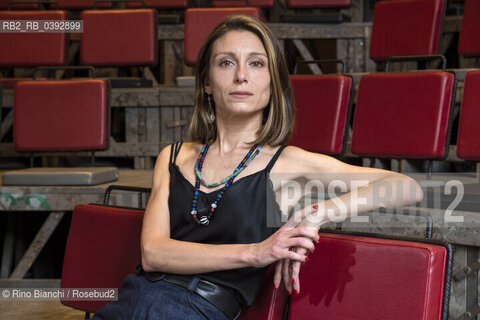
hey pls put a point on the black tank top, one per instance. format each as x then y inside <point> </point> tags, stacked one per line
<point>248,213</point>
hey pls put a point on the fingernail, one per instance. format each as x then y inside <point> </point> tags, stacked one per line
<point>315,207</point>
<point>296,292</point>
<point>293,281</point>
<point>306,259</point>
<point>319,240</point>
<point>274,287</point>
<point>289,293</point>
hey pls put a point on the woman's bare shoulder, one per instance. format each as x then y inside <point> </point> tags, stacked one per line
<point>294,159</point>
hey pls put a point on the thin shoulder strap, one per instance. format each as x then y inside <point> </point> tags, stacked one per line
<point>174,150</point>
<point>274,159</point>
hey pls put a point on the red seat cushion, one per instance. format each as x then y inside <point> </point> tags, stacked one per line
<point>469,45</point>
<point>406,27</point>
<point>321,112</point>
<point>403,115</point>
<point>103,247</point>
<point>199,22</point>
<point>362,278</point>
<point>119,37</point>
<point>318,3</point>
<point>468,141</point>
<point>271,304</point>
<point>160,4</point>
<point>81,4</point>
<point>240,3</point>
<point>32,49</point>
<point>66,115</point>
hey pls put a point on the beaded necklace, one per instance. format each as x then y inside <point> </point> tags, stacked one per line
<point>205,220</point>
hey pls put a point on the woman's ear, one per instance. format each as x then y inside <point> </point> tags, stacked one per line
<point>208,89</point>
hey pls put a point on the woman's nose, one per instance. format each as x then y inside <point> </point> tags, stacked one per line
<point>241,75</point>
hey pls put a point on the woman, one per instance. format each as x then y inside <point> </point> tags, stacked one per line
<point>205,245</point>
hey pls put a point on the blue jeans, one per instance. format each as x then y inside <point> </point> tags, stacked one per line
<point>140,299</point>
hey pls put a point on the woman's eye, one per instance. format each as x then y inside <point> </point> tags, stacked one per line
<point>225,63</point>
<point>257,63</point>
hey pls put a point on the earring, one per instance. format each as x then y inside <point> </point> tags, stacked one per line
<point>210,114</point>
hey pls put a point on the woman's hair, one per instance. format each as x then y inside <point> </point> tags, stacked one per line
<point>278,115</point>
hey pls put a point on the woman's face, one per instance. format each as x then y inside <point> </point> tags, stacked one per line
<point>239,77</point>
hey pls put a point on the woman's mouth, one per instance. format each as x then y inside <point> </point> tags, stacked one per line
<point>241,94</point>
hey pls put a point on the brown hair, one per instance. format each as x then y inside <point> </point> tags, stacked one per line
<point>278,116</point>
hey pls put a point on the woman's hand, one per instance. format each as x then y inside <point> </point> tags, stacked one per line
<point>290,269</point>
<point>277,246</point>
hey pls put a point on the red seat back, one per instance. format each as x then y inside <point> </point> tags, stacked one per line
<point>403,115</point>
<point>65,115</point>
<point>468,141</point>
<point>4,5</point>
<point>406,27</point>
<point>321,112</point>
<point>243,3</point>
<point>319,3</point>
<point>271,304</point>
<point>160,4</point>
<point>199,22</point>
<point>469,45</point>
<point>363,278</point>
<point>119,37</point>
<point>103,247</point>
<point>32,49</point>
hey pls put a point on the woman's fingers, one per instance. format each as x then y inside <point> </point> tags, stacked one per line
<point>277,277</point>
<point>295,271</point>
<point>287,279</point>
<point>303,232</point>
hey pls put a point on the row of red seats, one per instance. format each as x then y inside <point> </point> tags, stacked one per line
<point>339,281</point>
<point>391,110</point>
<point>183,4</point>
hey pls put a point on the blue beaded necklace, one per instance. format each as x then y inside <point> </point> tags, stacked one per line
<point>205,220</point>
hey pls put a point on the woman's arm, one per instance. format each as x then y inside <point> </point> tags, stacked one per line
<point>161,253</point>
<point>375,188</point>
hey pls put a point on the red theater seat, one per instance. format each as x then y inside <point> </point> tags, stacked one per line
<point>119,37</point>
<point>199,22</point>
<point>318,3</point>
<point>403,115</point>
<point>65,115</point>
<point>363,278</point>
<point>468,141</point>
<point>469,44</point>
<point>32,49</point>
<point>253,3</point>
<point>322,107</point>
<point>103,247</point>
<point>406,27</point>
<point>4,5</point>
